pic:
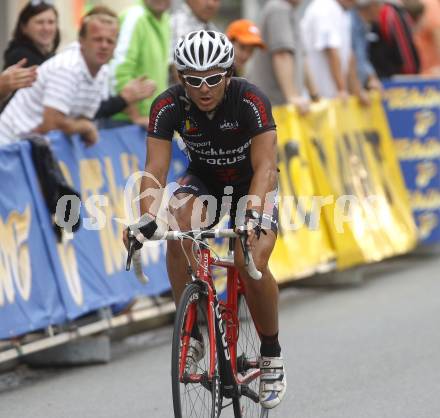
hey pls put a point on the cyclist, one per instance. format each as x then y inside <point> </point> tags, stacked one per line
<point>227,126</point>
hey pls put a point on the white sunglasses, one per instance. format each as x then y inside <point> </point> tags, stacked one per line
<point>211,80</point>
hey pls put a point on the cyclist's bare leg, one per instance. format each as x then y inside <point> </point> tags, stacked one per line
<point>262,300</point>
<point>177,263</point>
<point>261,295</point>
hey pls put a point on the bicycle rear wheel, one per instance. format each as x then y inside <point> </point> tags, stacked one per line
<point>198,394</point>
<point>248,354</point>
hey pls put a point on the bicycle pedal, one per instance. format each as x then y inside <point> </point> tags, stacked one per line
<point>243,364</point>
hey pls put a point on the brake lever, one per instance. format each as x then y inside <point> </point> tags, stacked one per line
<point>243,236</point>
<point>131,250</point>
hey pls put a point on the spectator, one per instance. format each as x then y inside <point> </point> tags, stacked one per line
<point>279,70</point>
<point>326,28</point>
<point>143,51</point>
<point>426,15</point>
<point>365,12</point>
<point>392,50</point>
<point>245,36</point>
<point>16,77</point>
<point>193,15</point>
<point>68,89</point>
<point>36,38</point>
<point>36,35</point>
<point>134,91</point>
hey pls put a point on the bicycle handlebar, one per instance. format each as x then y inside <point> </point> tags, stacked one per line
<point>240,233</point>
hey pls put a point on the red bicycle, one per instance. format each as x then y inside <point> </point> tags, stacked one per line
<point>227,371</point>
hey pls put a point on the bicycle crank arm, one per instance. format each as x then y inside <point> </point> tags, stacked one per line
<point>249,393</point>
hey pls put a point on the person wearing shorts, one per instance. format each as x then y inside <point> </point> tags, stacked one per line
<point>230,137</point>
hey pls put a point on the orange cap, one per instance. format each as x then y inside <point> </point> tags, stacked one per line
<point>245,32</point>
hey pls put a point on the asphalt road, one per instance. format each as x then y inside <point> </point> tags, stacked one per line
<point>369,351</point>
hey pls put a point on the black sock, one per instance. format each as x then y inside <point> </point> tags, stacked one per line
<point>270,346</point>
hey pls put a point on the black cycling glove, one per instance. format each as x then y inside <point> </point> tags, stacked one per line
<point>142,230</point>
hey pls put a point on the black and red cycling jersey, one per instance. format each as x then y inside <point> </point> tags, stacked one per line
<point>218,144</point>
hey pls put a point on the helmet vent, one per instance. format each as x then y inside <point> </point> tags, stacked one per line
<point>201,55</point>
<point>185,53</point>
<point>210,49</point>
<point>192,51</point>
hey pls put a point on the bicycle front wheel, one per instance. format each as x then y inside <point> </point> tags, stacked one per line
<point>248,354</point>
<point>196,392</point>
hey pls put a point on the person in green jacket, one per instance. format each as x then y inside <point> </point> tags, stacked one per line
<point>142,50</point>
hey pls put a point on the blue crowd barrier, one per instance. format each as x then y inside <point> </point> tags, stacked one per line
<point>52,282</point>
<point>29,297</point>
<point>413,110</point>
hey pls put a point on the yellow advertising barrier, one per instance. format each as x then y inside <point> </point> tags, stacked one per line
<point>299,251</point>
<point>340,158</point>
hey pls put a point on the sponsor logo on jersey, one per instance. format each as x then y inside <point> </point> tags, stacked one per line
<point>205,148</point>
<point>158,110</point>
<point>223,161</point>
<point>229,126</point>
<point>258,106</point>
<point>190,127</point>
<point>227,174</point>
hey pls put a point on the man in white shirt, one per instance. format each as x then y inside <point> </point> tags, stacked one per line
<point>326,30</point>
<point>68,89</point>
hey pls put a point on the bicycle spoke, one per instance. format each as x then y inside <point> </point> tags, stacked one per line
<point>248,345</point>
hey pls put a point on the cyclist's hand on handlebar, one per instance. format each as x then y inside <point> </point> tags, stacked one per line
<point>252,224</point>
<point>251,235</point>
<point>140,231</point>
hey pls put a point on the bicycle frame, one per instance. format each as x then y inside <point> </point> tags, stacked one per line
<point>226,336</point>
<point>221,318</point>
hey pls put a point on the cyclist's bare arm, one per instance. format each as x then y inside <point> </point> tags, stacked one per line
<point>264,165</point>
<point>157,165</point>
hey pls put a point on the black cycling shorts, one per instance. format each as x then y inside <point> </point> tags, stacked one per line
<point>226,200</point>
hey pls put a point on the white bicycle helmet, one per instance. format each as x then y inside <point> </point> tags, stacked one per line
<point>203,50</point>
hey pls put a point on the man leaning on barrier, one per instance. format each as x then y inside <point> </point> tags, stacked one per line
<point>228,129</point>
<point>68,89</point>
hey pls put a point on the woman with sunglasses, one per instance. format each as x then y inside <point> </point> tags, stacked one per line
<point>227,126</point>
